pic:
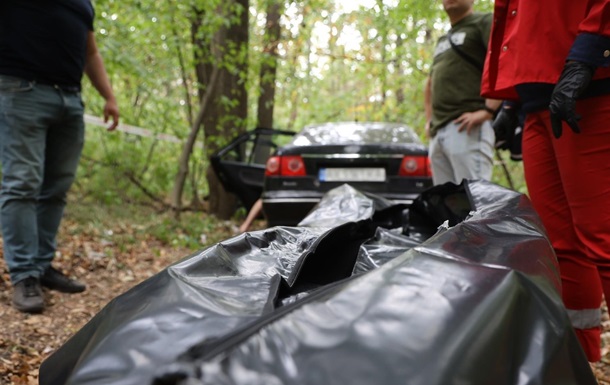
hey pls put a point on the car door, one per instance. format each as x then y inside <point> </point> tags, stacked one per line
<point>240,166</point>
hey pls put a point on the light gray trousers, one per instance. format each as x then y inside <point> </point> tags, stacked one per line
<point>459,155</point>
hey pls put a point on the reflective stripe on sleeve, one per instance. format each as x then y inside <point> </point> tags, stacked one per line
<point>585,319</point>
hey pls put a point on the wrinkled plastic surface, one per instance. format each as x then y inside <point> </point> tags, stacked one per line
<point>461,287</point>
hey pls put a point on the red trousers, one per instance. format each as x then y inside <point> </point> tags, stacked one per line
<point>568,180</point>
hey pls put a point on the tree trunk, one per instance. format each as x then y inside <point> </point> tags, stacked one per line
<point>268,69</point>
<point>220,67</point>
<point>228,119</point>
<point>400,90</point>
<point>187,150</point>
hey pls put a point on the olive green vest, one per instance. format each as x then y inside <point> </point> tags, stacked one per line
<point>456,84</point>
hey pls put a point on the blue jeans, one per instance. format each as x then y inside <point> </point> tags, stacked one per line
<point>42,134</point>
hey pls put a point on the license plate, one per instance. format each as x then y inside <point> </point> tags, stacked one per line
<point>352,175</point>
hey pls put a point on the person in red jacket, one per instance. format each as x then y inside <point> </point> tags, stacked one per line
<point>552,57</point>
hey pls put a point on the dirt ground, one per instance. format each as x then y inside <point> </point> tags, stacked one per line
<point>108,269</point>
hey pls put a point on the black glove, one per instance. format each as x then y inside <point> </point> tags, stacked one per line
<point>505,125</point>
<point>574,80</point>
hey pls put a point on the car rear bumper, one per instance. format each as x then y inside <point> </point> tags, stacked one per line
<point>289,207</point>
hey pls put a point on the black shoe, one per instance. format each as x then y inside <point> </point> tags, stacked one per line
<point>55,280</point>
<point>27,296</point>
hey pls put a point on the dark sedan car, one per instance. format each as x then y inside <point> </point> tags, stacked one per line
<point>240,166</point>
<point>387,159</point>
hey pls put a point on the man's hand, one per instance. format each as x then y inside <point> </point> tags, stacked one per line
<point>469,120</point>
<point>574,80</point>
<point>504,126</point>
<point>111,110</point>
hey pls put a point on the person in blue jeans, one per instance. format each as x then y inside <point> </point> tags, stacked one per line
<point>45,48</point>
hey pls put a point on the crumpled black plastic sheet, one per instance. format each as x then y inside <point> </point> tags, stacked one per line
<point>460,287</point>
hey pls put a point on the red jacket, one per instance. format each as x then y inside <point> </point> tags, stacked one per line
<point>531,40</point>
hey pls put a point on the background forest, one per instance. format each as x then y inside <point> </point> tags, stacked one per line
<point>196,73</point>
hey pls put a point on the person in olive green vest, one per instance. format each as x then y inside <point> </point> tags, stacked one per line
<point>458,119</point>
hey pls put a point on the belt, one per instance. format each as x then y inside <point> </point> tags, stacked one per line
<point>69,89</point>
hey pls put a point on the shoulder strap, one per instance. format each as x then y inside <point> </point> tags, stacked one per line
<point>463,54</point>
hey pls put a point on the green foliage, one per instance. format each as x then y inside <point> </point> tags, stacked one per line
<point>513,169</point>
<point>124,224</point>
<point>192,230</point>
<point>112,162</point>
<point>338,61</point>
<point>146,52</point>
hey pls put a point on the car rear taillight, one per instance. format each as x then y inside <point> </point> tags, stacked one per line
<point>273,166</point>
<point>292,166</point>
<point>415,166</point>
<point>285,166</point>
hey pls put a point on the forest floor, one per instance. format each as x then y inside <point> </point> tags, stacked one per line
<point>111,251</point>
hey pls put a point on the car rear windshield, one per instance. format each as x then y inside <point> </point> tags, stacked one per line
<point>360,133</point>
